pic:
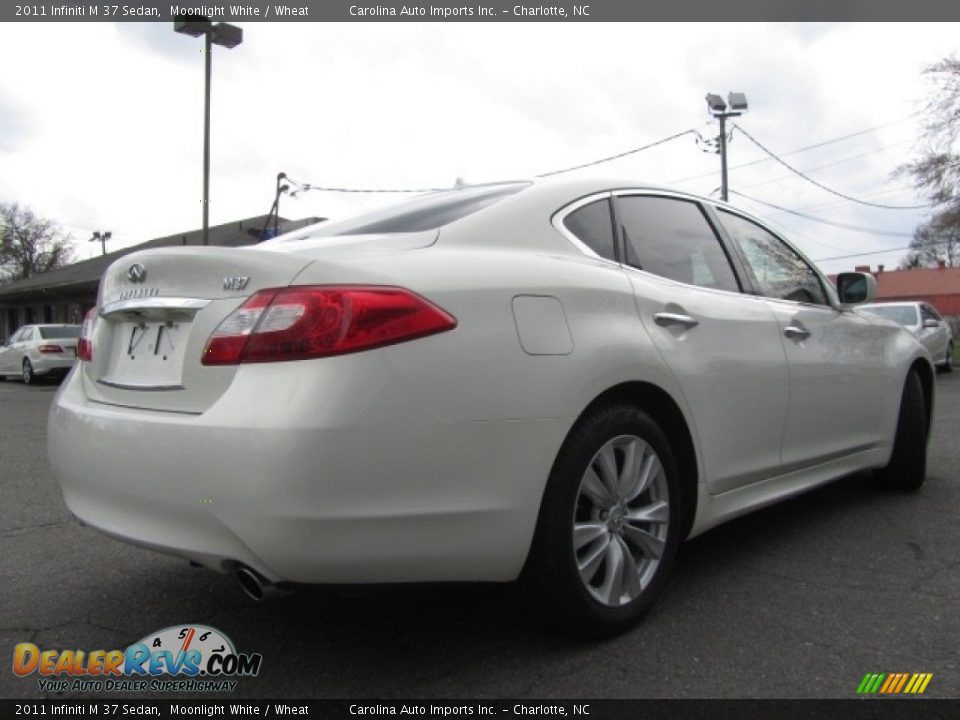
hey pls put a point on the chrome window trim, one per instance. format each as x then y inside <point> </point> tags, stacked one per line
<point>560,215</point>
<point>656,192</point>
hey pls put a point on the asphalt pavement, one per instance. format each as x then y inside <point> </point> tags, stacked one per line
<point>799,600</point>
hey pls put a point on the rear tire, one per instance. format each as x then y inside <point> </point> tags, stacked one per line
<point>948,361</point>
<point>907,468</point>
<point>27,373</point>
<point>609,525</point>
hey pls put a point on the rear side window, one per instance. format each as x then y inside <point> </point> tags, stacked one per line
<point>673,239</point>
<point>592,224</point>
<point>427,212</point>
<point>61,331</point>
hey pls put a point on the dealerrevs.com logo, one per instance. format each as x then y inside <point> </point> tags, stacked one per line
<point>201,658</point>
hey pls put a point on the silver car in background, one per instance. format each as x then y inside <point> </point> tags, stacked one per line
<point>923,320</point>
<point>39,350</point>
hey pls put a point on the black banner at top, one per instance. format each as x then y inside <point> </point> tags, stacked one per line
<point>482,11</point>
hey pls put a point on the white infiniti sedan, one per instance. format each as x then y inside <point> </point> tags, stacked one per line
<point>554,382</point>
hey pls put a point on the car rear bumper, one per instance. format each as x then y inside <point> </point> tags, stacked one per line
<point>45,364</point>
<point>354,488</point>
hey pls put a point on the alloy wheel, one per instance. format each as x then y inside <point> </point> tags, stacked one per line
<point>620,520</point>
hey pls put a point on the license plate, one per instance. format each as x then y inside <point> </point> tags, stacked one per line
<point>147,354</point>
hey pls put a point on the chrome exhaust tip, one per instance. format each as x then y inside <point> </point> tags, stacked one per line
<point>256,587</point>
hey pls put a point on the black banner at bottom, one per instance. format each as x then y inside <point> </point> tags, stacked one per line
<point>866,709</point>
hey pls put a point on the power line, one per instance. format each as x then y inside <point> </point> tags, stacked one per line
<point>792,232</point>
<point>819,184</point>
<point>803,149</point>
<point>878,252</point>
<point>303,187</point>
<point>623,154</point>
<point>873,193</point>
<point>841,161</point>
<point>814,218</point>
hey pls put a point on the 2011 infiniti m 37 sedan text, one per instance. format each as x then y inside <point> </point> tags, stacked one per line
<point>554,382</point>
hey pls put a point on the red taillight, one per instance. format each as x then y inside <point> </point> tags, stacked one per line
<point>50,349</point>
<point>85,341</point>
<point>297,323</point>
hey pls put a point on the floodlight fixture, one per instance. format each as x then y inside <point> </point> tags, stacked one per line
<point>226,35</point>
<point>101,237</point>
<point>738,101</point>
<point>715,103</point>
<point>193,28</point>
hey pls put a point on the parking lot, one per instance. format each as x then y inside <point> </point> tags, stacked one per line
<point>800,600</point>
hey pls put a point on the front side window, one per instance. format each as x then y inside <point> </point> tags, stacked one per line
<point>929,313</point>
<point>592,224</point>
<point>777,271</point>
<point>672,238</point>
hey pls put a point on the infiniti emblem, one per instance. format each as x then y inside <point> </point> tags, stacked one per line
<point>137,273</point>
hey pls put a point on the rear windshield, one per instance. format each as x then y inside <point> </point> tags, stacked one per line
<point>426,212</point>
<point>59,331</point>
<point>903,314</point>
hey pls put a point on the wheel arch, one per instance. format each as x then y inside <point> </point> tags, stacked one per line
<point>666,412</point>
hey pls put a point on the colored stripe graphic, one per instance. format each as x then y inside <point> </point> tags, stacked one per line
<point>894,683</point>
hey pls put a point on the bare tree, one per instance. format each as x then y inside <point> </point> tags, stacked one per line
<point>936,172</point>
<point>29,244</point>
<point>932,244</point>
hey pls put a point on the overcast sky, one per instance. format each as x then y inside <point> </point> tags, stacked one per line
<point>101,124</point>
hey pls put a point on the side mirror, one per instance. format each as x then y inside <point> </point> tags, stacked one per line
<point>855,288</point>
<point>931,323</point>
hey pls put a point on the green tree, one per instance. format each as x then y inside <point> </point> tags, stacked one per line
<point>936,171</point>
<point>29,244</point>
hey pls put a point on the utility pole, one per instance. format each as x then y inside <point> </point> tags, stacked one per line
<point>718,108</point>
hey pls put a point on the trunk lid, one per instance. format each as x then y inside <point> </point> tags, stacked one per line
<point>158,307</point>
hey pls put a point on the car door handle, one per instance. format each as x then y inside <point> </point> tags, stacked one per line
<point>665,319</point>
<point>796,332</point>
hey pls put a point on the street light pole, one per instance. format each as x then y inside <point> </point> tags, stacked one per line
<point>723,157</point>
<point>208,58</point>
<point>225,35</point>
<point>718,108</point>
<point>101,237</point>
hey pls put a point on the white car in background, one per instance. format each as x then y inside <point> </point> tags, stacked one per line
<point>923,320</point>
<point>555,382</point>
<point>36,351</point>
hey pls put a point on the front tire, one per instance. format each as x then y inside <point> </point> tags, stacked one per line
<point>907,468</point>
<point>609,525</point>
<point>948,361</point>
<point>27,373</point>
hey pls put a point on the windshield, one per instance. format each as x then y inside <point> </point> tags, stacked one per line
<point>426,212</point>
<point>59,331</point>
<point>903,314</point>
